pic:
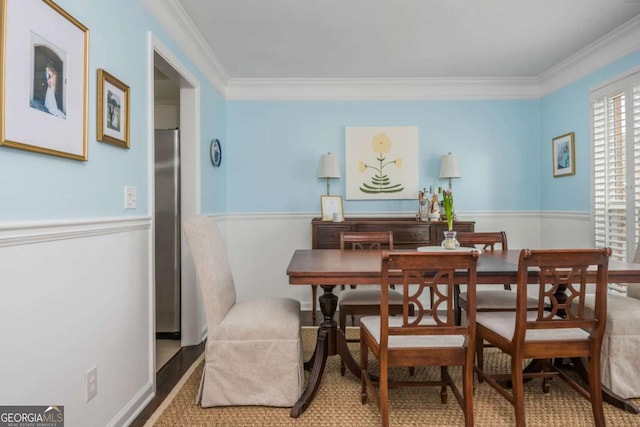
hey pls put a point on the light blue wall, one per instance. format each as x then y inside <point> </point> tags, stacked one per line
<point>214,180</point>
<point>276,146</point>
<point>567,110</point>
<point>43,187</point>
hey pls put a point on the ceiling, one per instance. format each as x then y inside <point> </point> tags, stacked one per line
<point>401,38</point>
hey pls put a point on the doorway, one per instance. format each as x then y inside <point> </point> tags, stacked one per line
<point>175,101</point>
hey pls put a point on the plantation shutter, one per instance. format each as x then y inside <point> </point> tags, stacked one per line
<point>615,119</point>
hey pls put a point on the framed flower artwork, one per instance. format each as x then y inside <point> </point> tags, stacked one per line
<point>381,162</point>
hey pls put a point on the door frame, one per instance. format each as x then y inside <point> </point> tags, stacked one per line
<point>160,56</point>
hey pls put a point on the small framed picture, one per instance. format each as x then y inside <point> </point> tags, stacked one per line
<point>332,208</point>
<point>113,110</point>
<point>563,150</point>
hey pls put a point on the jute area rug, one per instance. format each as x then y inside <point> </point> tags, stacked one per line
<point>337,402</point>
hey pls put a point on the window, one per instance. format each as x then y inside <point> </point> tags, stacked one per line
<point>615,125</point>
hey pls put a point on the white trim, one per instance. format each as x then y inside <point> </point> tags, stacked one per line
<point>606,87</point>
<point>382,89</point>
<point>13,234</point>
<point>135,406</point>
<point>614,46</point>
<point>173,18</point>
<point>190,184</point>
<point>611,47</point>
<point>463,216</point>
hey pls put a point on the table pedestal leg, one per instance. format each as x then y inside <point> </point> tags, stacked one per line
<point>325,346</point>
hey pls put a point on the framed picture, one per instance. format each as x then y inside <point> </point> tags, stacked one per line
<point>563,151</point>
<point>43,79</point>
<point>381,162</point>
<point>113,110</point>
<point>332,208</point>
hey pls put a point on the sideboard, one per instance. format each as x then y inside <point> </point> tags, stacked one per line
<point>408,233</point>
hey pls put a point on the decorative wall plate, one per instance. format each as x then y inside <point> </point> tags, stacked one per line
<point>216,152</point>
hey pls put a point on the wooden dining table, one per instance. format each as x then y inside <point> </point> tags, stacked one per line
<point>329,268</point>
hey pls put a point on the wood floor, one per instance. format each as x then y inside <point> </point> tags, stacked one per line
<point>171,373</point>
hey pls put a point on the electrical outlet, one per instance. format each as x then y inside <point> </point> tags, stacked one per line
<point>91,383</point>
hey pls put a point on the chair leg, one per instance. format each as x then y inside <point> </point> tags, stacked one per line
<point>384,393</point>
<point>314,299</point>
<point>517,388</point>
<point>595,388</point>
<point>342,324</point>
<point>443,388</point>
<point>467,390</point>
<point>479,350</point>
<point>364,365</point>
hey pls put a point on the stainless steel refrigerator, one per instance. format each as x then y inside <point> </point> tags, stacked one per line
<point>167,232</point>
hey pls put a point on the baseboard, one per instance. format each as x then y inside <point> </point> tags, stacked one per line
<point>132,409</point>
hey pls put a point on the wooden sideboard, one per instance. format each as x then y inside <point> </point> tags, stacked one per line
<point>407,232</point>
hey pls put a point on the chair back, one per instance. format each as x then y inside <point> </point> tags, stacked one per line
<point>420,272</point>
<point>213,272</point>
<point>565,272</point>
<point>484,240</point>
<point>366,240</point>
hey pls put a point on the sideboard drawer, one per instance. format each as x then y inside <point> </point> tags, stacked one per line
<point>404,235</point>
<point>329,235</point>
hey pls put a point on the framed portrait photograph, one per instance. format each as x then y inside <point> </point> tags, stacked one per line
<point>113,110</point>
<point>332,208</point>
<point>563,152</point>
<point>43,79</point>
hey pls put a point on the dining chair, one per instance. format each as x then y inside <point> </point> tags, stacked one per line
<point>488,299</point>
<point>366,301</point>
<point>557,329</point>
<point>253,354</point>
<point>430,336</point>
<point>619,368</point>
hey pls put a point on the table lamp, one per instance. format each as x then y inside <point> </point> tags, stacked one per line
<point>329,168</point>
<point>449,167</point>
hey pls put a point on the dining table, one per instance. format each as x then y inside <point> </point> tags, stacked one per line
<point>329,268</point>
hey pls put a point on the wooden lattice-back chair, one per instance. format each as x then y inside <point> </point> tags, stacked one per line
<point>366,300</point>
<point>557,329</point>
<point>488,299</point>
<point>430,336</point>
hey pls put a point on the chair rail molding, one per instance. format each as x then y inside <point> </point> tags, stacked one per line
<point>12,234</point>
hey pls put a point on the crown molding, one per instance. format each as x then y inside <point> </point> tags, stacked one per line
<point>173,18</point>
<point>612,47</point>
<point>383,89</point>
<point>619,43</point>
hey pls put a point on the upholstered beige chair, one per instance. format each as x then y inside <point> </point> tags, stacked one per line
<point>253,354</point>
<point>620,369</point>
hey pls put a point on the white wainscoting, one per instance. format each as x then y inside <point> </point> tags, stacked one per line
<point>79,294</point>
<point>76,295</point>
<point>260,246</point>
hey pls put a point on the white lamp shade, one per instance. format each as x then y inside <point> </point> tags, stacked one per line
<point>449,166</point>
<point>329,166</point>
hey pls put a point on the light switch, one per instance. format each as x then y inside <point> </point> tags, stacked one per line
<point>130,197</point>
